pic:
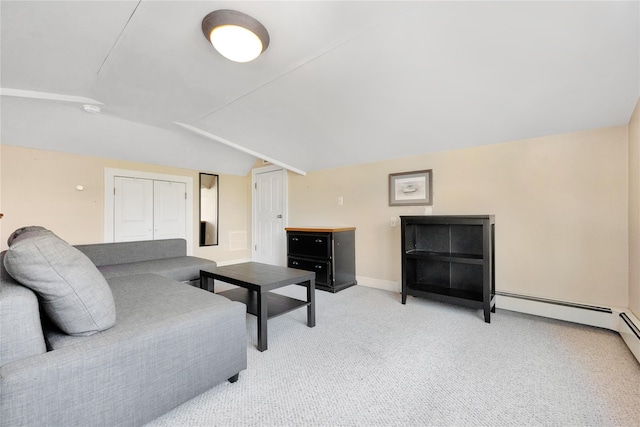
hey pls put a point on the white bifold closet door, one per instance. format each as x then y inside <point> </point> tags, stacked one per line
<point>169,210</point>
<point>146,209</point>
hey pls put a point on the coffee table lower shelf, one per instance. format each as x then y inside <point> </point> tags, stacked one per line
<point>255,281</point>
<point>276,304</point>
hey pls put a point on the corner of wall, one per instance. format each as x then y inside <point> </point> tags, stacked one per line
<point>634,210</point>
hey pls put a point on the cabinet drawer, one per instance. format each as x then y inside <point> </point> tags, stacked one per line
<point>315,245</point>
<point>321,268</point>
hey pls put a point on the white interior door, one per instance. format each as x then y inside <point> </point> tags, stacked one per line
<point>133,209</point>
<point>270,244</point>
<point>169,210</point>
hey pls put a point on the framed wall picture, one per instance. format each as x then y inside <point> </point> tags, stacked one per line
<point>411,188</point>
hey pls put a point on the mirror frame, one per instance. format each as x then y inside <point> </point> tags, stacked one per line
<point>201,223</point>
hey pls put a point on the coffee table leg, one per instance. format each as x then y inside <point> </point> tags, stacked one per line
<point>311,299</point>
<point>204,283</point>
<point>262,321</point>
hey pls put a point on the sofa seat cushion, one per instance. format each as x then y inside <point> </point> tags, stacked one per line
<point>146,301</point>
<point>72,292</point>
<point>182,269</point>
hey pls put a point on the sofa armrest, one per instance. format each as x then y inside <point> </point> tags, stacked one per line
<point>20,326</point>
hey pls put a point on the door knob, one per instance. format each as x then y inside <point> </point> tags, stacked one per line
<point>279,216</point>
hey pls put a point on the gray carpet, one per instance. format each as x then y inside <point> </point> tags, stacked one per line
<point>371,361</point>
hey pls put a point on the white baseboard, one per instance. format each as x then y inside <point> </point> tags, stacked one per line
<point>601,317</point>
<point>385,285</point>
<point>231,262</point>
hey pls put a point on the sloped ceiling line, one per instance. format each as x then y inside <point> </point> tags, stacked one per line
<point>239,147</point>
<point>118,38</point>
<point>21,93</point>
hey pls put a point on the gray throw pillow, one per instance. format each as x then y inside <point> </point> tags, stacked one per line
<point>73,293</point>
<point>23,230</point>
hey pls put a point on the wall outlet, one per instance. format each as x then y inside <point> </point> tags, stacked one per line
<point>393,221</point>
<point>340,201</point>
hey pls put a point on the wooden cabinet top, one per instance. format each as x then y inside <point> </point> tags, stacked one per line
<point>320,229</point>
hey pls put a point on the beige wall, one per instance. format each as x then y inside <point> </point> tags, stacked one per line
<point>634,211</point>
<point>39,188</point>
<point>560,204</point>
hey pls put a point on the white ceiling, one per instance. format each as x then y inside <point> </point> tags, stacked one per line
<point>342,82</point>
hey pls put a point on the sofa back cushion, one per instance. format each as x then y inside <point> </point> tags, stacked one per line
<point>20,328</point>
<point>102,254</point>
<point>73,293</point>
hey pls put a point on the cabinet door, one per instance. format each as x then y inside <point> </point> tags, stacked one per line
<point>313,245</point>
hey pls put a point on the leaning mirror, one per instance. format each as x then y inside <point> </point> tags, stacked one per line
<point>208,209</point>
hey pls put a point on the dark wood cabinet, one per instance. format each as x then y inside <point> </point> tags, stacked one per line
<point>450,259</point>
<point>329,251</point>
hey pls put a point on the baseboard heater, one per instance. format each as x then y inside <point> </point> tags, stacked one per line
<point>561,303</point>
<point>631,325</point>
<point>601,317</point>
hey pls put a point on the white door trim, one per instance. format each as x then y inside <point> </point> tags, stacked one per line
<point>111,173</point>
<point>285,200</point>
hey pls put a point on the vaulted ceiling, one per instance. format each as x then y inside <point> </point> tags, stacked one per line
<point>342,82</point>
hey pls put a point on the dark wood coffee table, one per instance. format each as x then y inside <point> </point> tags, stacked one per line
<point>256,280</point>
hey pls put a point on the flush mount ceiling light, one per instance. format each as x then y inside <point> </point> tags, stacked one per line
<point>238,37</point>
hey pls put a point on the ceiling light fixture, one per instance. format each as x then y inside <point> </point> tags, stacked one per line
<point>237,36</point>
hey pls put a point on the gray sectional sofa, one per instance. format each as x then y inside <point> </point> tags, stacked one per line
<point>155,345</point>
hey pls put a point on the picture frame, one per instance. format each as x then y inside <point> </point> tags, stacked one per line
<point>411,188</point>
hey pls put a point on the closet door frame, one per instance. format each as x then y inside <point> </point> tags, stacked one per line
<point>109,177</point>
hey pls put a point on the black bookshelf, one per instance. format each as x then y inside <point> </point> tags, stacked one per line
<point>450,259</point>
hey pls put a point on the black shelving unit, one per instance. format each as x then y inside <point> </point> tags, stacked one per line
<point>450,259</point>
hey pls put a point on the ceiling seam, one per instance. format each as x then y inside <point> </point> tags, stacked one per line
<point>119,36</point>
<point>307,61</point>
